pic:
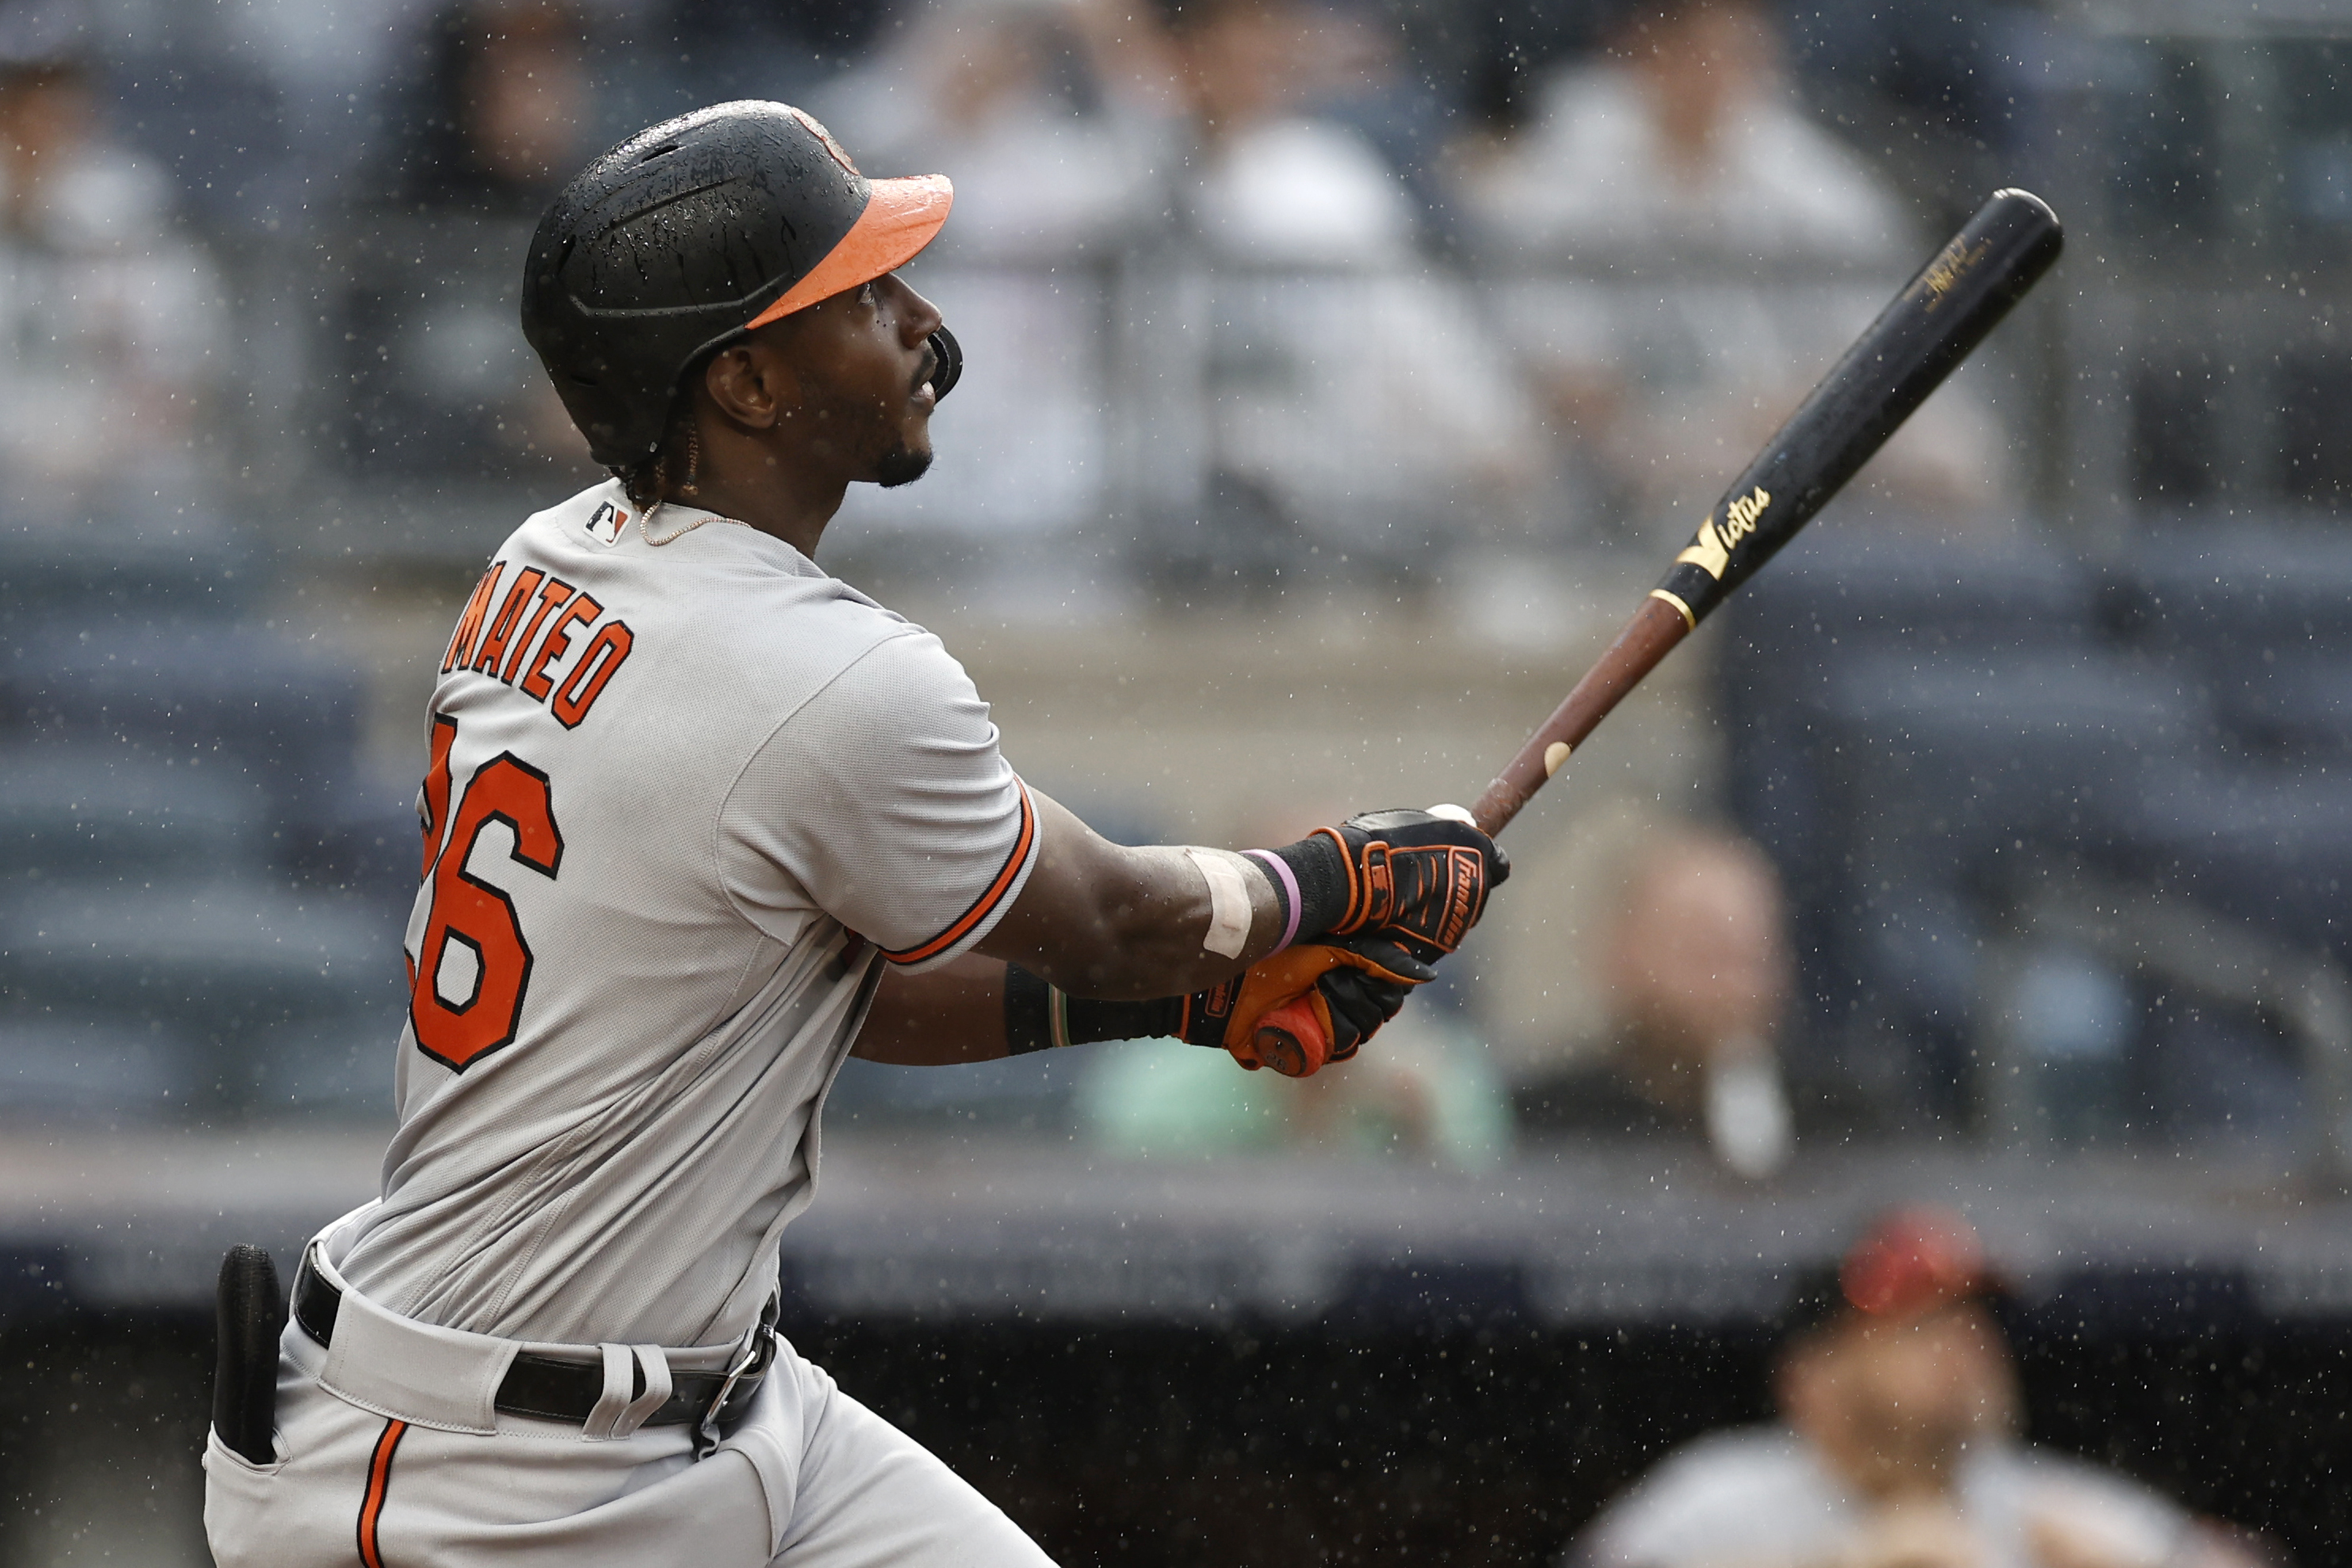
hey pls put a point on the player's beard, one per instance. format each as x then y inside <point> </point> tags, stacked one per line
<point>902,464</point>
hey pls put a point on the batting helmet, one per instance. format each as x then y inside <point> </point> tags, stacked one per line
<point>692,233</point>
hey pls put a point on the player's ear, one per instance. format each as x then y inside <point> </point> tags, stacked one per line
<point>753,384</point>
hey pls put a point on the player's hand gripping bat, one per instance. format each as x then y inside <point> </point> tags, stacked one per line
<point>1935,323</point>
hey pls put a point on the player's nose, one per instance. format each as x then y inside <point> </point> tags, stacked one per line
<point>918,317</point>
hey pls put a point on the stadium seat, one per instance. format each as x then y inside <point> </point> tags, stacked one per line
<point>80,810</point>
<point>240,697</point>
<point>201,889</point>
<point>121,1070</point>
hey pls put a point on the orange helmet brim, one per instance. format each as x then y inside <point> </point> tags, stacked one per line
<point>899,219</point>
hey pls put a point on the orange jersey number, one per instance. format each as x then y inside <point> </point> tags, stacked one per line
<point>472,913</point>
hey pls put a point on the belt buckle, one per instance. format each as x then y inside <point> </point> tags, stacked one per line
<point>758,1352</point>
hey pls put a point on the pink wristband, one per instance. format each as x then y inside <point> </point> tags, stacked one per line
<point>1289,885</point>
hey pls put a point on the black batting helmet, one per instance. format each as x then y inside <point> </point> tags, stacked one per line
<point>692,233</point>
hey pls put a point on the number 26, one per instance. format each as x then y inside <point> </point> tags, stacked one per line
<point>466,910</point>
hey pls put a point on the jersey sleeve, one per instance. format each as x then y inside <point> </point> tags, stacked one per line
<point>884,802</point>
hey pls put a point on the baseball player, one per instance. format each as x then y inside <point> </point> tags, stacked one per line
<point>698,823</point>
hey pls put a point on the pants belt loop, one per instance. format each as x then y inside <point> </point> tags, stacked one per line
<point>620,1368</point>
<point>653,1365</point>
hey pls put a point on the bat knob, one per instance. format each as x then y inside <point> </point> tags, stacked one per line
<point>1290,1040</point>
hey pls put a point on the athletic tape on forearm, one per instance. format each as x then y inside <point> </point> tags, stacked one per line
<point>1229,901</point>
<point>1040,1016</point>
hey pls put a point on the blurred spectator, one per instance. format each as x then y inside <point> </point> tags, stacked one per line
<point>1171,273</point>
<point>1712,221</point>
<point>443,386</point>
<point>1276,182</point>
<point>1050,116</point>
<point>1355,404</point>
<point>1683,139</point>
<point>505,104</point>
<point>1899,1447</point>
<point>112,321</point>
<point>1689,975</point>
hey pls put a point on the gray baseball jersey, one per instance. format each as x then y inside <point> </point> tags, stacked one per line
<point>687,799</point>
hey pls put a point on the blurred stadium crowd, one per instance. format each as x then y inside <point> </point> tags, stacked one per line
<point>1459,309</point>
<point>1264,282</point>
<point>1270,299</point>
<point>2008,809</point>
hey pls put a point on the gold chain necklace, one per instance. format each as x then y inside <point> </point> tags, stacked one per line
<point>648,516</point>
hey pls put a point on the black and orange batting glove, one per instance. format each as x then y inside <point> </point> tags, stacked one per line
<point>1417,879</point>
<point>1368,907</point>
<point>1352,987</point>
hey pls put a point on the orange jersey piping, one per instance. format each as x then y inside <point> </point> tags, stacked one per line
<point>987,902</point>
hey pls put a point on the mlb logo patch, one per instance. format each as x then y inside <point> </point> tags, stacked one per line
<point>605,525</point>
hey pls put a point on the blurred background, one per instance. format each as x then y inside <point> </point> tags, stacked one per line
<point>1340,373</point>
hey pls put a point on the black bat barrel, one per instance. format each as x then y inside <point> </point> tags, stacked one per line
<point>1935,323</point>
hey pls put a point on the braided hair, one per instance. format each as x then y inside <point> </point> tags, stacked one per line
<point>646,482</point>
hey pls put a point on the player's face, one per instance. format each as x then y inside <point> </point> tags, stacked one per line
<point>867,351</point>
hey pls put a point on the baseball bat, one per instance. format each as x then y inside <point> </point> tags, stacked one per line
<point>1936,322</point>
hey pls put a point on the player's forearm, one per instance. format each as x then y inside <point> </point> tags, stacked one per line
<point>1147,937</point>
<point>1103,920</point>
<point>949,1015</point>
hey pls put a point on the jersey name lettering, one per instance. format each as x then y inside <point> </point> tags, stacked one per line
<point>537,624</point>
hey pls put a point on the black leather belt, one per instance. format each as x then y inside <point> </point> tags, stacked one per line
<point>554,1390</point>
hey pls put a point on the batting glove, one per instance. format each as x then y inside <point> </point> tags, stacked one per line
<point>1353,987</point>
<point>1415,879</point>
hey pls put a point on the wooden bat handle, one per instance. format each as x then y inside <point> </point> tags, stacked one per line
<point>1290,1038</point>
<point>1648,637</point>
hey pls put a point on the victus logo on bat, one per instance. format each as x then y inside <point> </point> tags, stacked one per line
<point>1710,549</point>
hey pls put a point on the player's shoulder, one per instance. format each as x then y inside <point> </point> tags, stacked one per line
<point>1751,1487</point>
<point>717,622</point>
<point>1730,1468</point>
<point>2022,1480</point>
